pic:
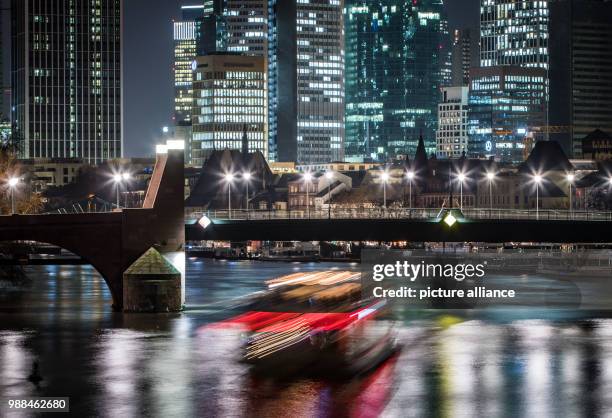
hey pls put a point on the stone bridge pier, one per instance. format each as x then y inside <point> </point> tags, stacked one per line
<point>111,242</point>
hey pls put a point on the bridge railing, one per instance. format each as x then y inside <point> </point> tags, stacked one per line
<point>404,213</point>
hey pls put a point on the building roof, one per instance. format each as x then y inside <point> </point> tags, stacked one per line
<point>210,186</point>
<point>597,135</point>
<point>546,156</point>
<point>151,264</point>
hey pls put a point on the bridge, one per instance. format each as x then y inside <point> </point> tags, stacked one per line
<point>112,241</point>
<point>418,225</point>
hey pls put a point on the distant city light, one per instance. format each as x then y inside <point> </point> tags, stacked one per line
<point>410,175</point>
<point>461,177</point>
<point>125,176</point>
<point>384,176</point>
<point>13,181</point>
<point>570,178</point>
<point>490,175</point>
<point>246,176</point>
<point>537,178</point>
<point>117,178</point>
<point>307,177</point>
<point>229,177</point>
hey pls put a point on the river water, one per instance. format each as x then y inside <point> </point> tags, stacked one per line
<point>116,365</point>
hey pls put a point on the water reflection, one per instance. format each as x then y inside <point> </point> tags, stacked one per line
<point>129,365</point>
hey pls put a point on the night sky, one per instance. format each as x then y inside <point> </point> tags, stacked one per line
<point>148,91</point>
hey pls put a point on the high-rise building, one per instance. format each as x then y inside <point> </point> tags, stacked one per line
<point>514,32</point>
<point>67,79</point>
<point>397,58</point>
<point>212,32</point>
<point>452,133</point>
<point>230,100</point>
<point>185,52</point>
<point>247,26</point>
<point>505,102</point>
<point>580,71</point>
<point>306,80</point>
<point>464,57</point>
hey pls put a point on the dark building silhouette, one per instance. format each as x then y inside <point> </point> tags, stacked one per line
<point>580,45</point>
<point>597,145</point>
<point>211,188</point>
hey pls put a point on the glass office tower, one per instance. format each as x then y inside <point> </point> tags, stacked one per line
<point>514,32</point>
<point>505,103</point>
<point>67,79</point>
<point>397,58</point>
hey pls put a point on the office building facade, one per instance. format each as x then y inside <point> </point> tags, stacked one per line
<point>514,32</point>
<point>306,85</point>
<point>186,32</point>
<point>397,59</point>
<point>230,100</point>
<point>247,26</point>
<point>505,103</point>
<point>452,133</point>
<point>67,79</point>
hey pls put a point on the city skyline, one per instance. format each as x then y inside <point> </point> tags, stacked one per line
<point>148,109</point>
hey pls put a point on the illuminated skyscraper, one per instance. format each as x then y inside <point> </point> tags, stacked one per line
<point>247,26</point>
<point>230,98</point>
<point>67,78</point>
<point>514,32</point>
<point>184,54</point>
<point>306,70</point>
<point>397,58</point>
<point>505,103</point>
<point>451,135</point>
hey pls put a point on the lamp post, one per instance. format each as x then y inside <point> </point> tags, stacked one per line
<point>125,177</point>
<point>410,177</point>
<point>538,179</point>
<point>307,180</point>
<point>247,178</point>
<point>13,181</point>
<point>117,178</point>
<point>385,178</point>
<point>229,177</point>
<point>461,178</point>
<point>329,176</point>
<point>490,177</point>
<point>570,180</point>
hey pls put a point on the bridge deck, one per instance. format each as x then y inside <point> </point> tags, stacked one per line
<point>547,226</point>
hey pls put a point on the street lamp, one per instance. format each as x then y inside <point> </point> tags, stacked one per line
<point>229,178</point>
<point>329,176</point>
<point>247,178</point>
<point>410,177</point>
<point>13,181</point>
<point>537,179</point>
<point>385,178</point>
<point>117,178</point>
<point>307,180</point>
<point>570,180</point>
<point>490,177</point>
<point>461,178</point>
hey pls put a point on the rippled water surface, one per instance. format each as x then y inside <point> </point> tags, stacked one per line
<point>169,365</point>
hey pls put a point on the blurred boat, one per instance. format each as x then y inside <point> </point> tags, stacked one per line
<point>316,323</point>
